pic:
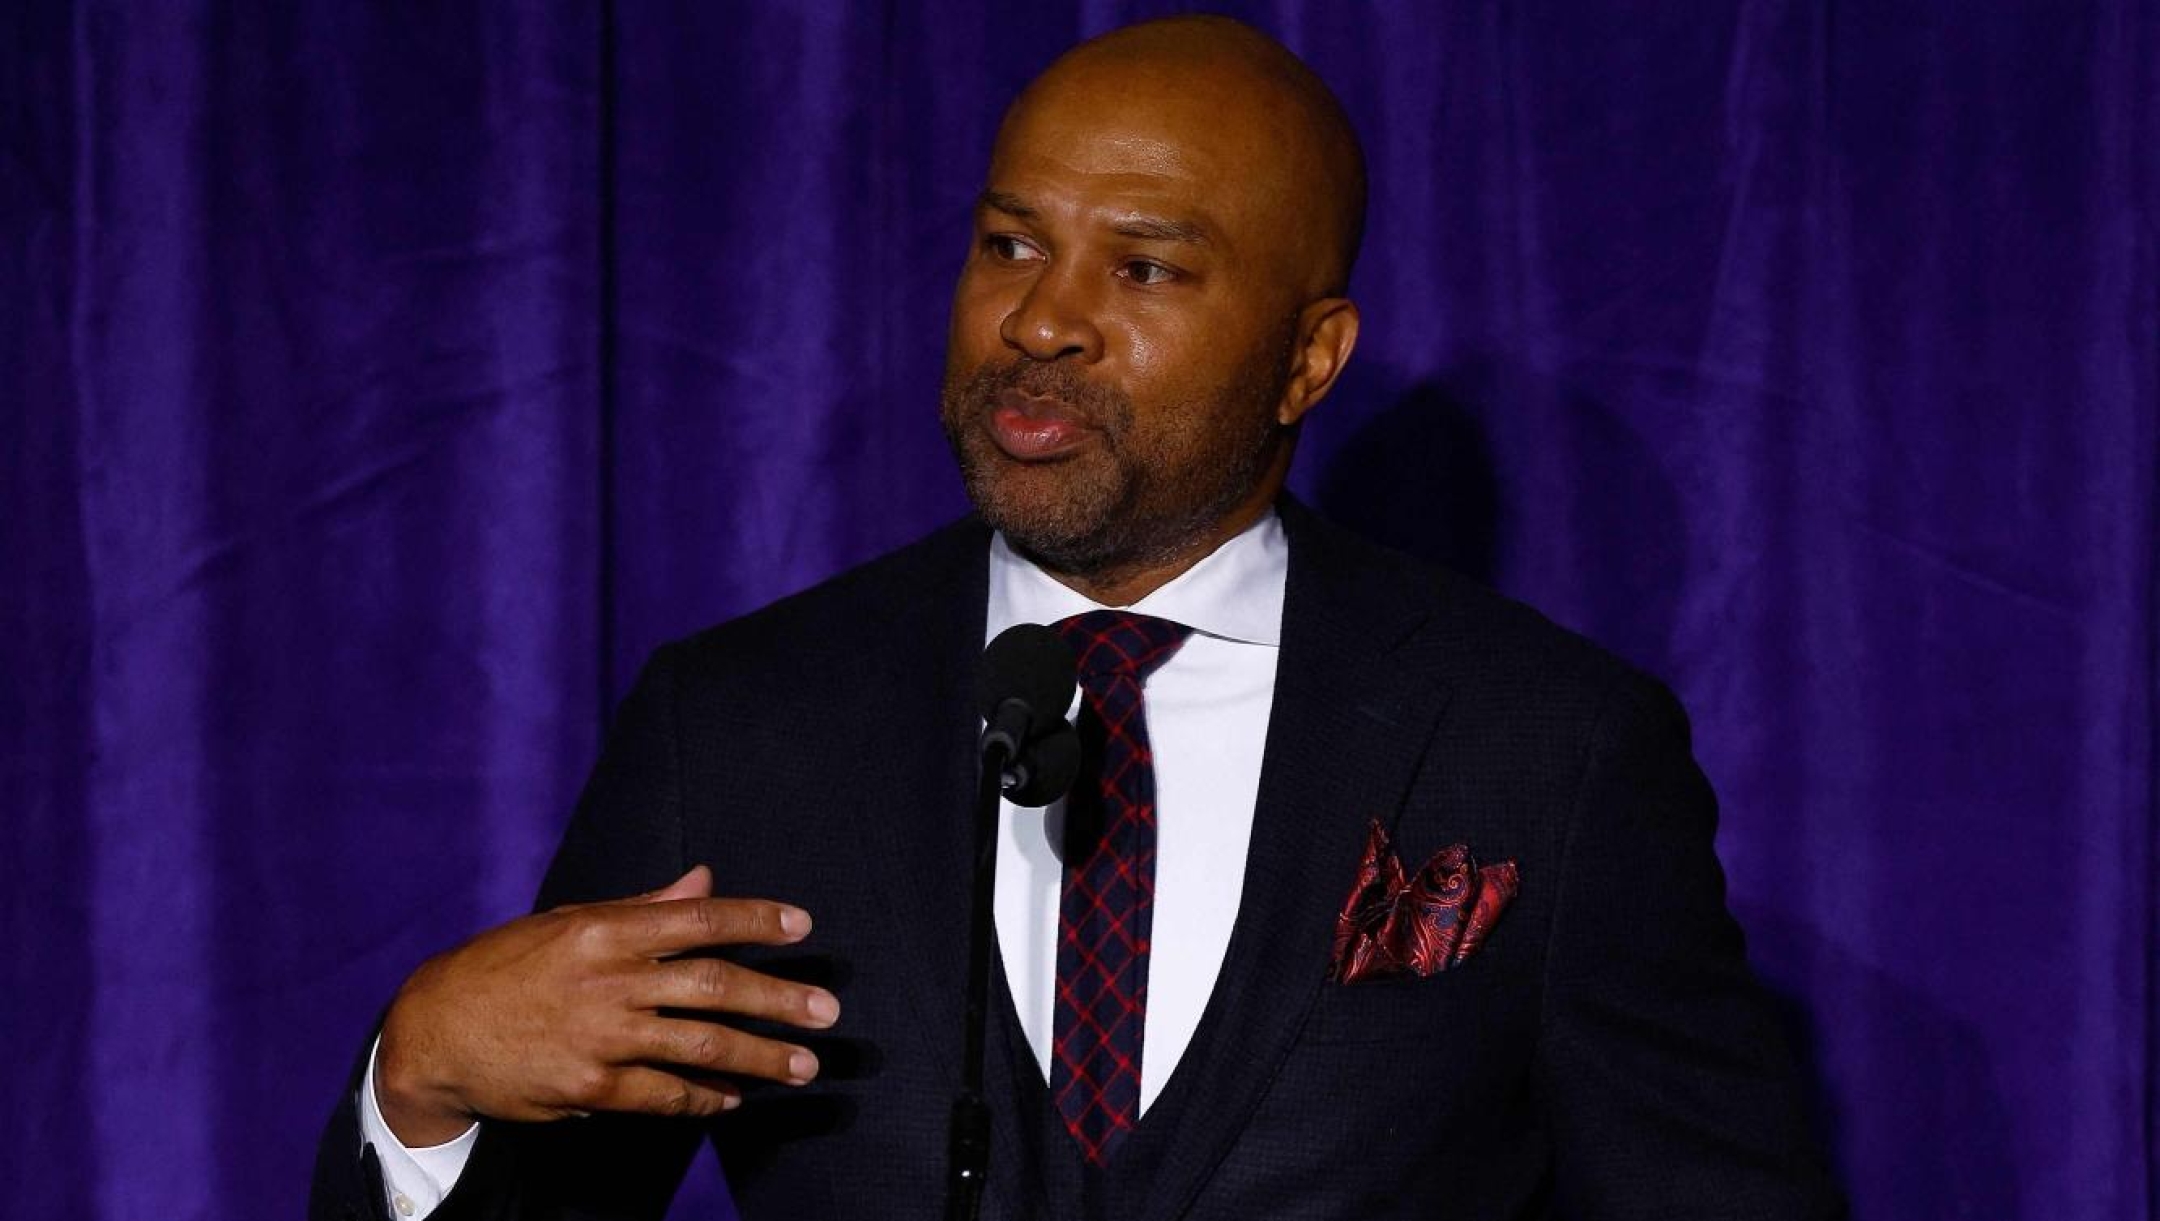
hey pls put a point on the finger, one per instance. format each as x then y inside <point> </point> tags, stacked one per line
<point>712,1048</point>
<point>653,1091</point>
<point>662,929</point>
<point>695,884</point>
<point>714,986</point>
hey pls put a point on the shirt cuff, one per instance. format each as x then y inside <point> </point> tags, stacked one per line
<point>414,1180</point>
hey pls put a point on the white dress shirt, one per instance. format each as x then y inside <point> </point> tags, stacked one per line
<point>1207,717</point>
<point>414,1180</point>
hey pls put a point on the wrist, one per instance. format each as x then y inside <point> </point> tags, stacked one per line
<point>417,1112</point>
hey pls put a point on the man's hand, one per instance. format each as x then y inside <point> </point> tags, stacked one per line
<point>559,1014</point>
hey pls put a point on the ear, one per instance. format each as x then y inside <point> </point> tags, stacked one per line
<point>1327,332</point>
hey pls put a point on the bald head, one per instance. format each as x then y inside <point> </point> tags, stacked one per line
<point>1153,301</point>
<point>1234,104</point>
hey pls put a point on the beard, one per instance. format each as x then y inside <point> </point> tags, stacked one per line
<point>1147,490</point>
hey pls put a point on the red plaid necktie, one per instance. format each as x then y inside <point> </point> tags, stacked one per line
<point>1107,912</point>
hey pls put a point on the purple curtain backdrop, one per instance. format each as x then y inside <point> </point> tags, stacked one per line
<point>381,386</point>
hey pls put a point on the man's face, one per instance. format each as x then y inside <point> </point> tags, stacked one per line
<point>1122,329</point>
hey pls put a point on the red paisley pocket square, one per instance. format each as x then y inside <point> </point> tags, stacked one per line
<point>1396,924</point>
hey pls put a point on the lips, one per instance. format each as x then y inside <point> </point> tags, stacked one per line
<point>1031,428</point>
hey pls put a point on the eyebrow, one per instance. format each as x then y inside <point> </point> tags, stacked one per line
<point>1147,228</point>
<point>1159,229</point>
<point>1006,202</point>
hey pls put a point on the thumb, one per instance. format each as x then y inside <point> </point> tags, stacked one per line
<point>696,884</point>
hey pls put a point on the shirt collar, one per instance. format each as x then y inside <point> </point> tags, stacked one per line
<point>1235,592</point>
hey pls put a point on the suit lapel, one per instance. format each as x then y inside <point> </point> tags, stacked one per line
<point>1345,735</point>
<point>1346,732</point>
<point>916,814</point>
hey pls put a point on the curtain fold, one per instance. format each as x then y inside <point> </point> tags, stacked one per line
<point>301,610</point>
<point>384,385</point>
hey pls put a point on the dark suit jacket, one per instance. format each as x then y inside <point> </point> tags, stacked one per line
<point>1604,1055</point>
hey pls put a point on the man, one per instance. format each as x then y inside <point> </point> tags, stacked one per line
<point>1555,1015</point>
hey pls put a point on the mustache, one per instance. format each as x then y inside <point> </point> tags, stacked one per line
<point>1097,405</point>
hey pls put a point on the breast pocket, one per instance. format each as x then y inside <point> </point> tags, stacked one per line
<point>1402,1009</point>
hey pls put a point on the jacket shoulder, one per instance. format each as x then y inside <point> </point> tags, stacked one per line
<point>1474,639</point>
<point>872,609</point>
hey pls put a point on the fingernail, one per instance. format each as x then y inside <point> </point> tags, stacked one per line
<point>729,1102</point>
<point>802,1066</point>
<point>794,921</point>
<point>823,1007</point>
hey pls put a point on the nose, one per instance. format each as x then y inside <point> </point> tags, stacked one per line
<point>1053,320</point>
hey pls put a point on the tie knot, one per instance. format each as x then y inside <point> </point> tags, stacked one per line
<point>1120,642</point>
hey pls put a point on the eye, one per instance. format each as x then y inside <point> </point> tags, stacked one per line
<point>1144,272</point>
<point>1010,249</point>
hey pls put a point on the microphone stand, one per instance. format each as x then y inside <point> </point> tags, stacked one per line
<point>1026,749</point>
<point>968,1143</point>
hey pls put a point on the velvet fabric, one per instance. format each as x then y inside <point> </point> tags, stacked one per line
<point>382,384</point>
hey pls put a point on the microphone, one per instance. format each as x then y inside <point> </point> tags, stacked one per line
<point>1023,688</point>
<point>1029,753</point>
